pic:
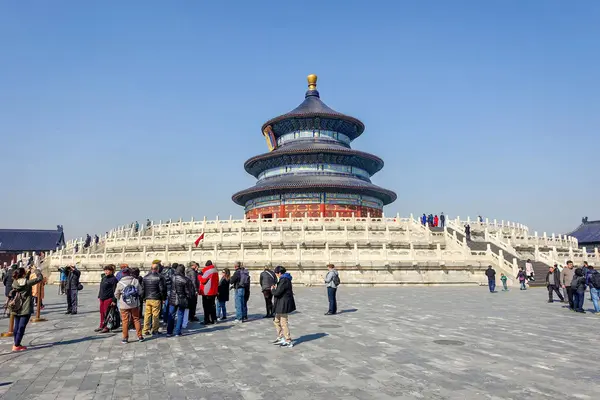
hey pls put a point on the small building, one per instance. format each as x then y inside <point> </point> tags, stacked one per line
<point>587,234</point>
<point>17,241</point>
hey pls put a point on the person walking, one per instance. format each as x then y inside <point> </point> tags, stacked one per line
<point>503,279</point>
<point>491,275</point>
<point>267,280</point>
<point>209,288</point>
<point>566,278</point>
<point>468,232</point>
<point>72,288</point>
<point>178,302</point>
<point>578,286</point>
<point>22,285</point>
<point>155,292</point>
<point>522,279</point>
<point>594,284</point>
<point>240,281</point>
<point>106,295</point>
<point>552,283</point>
<point>284,305</point>
<point>529,270</point>
<point>192,273</point>
<point>332,281</point>
<point>223,296</point>
<point>128,292</point>
<point>442,220</point>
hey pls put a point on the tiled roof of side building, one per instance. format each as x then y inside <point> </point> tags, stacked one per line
<point>30,239</point>
<point>587,232</point>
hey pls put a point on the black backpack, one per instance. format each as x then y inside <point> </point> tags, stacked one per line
<point>336,279</point>
<point>595,280</point>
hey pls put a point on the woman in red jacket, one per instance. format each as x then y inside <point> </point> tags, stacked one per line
<point>209,287</point>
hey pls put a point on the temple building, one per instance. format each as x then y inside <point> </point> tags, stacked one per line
<point>587,234</point>
<point>310,169</point>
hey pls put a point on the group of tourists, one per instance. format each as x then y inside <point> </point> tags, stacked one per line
<point>573,281</point>
<point>433,221</point>
<point>169,294</point>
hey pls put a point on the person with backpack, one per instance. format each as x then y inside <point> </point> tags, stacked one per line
<point>332,281</point>
<point>522,277</point>
<point>155,292</point>
<point>284,305</point>
<point>128,293</point>
<point>178,301</point>
<point>594,284</point>
<point>209,288</point>
<point>268,280</point>
<point>20,303</point>
<point>240,281</point>
<point>223,295</point>
<point>578,287</point>
<point>106,295</point>
<point>72,288</point>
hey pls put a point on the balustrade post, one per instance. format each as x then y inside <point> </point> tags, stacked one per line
<point>298,254</point>
<point>585,254</point>
<point>571,253</point>
<point>242,251</point>
<point>545,238</point>
<point>554,253</point>
<point>488,250</point>
<point>515,268</point>
<point>500,257</point>
<point>536,253</point>
<point>486,234</point>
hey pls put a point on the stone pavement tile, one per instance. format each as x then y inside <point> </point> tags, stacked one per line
<point>514,344</point>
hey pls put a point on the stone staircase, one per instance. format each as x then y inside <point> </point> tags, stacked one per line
<point>539,268</point>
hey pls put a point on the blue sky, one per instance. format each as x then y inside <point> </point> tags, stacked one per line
<point>112,112</point>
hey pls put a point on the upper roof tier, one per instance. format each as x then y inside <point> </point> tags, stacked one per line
<point>312,113</point>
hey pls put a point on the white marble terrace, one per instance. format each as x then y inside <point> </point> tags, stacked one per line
<point>387,250</point>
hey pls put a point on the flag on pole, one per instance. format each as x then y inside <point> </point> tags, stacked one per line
<point>200,238</point>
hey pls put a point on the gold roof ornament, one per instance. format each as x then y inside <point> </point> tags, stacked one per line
<point>312,82</point>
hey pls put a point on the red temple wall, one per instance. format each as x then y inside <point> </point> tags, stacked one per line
<point>313,211</point>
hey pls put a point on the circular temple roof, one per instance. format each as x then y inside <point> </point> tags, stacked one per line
<point>313,151</point>
<point>320,183</point>
<point>312,113</point>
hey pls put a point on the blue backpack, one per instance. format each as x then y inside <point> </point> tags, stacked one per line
<point>130,294</point>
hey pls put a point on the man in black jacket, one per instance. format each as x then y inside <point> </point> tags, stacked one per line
<point>192,274</point>
<point>72,287</point>
<point>267,280</point>
<point>553,283</point>
<point>491,275</point>
<point>178,301</point>
<point>154,292</point>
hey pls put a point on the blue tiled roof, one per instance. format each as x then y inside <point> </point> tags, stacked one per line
<point>30,239</point>
<point>588,232</point>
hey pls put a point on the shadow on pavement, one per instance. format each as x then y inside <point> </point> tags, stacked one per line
<point>349,310</point>
<point>309,338</point>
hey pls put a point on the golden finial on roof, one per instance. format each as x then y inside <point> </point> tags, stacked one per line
<point>312,82</point>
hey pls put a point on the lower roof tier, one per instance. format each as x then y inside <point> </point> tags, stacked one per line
<point>325,183</point>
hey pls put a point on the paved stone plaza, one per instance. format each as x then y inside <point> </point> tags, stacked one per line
<point>388,343</point>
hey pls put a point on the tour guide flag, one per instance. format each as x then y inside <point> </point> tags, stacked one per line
<point>200,238</point>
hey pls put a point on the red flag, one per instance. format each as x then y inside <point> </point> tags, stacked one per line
<point>200,238</point>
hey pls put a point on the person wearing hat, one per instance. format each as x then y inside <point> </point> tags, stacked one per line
<point>120,273</point>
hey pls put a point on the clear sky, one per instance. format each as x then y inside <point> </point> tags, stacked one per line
<point>113,111</point>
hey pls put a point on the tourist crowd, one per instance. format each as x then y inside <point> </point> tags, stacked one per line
<point>167,296</point>
<point>433,221</point>
<point>573,281</point>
